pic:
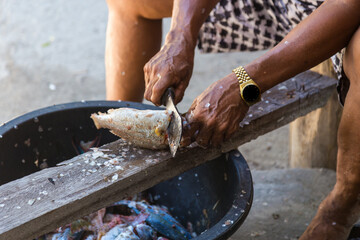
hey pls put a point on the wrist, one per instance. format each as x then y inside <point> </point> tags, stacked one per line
<point>249,90</point>
<point>232,82</point>
<point>185,38</point>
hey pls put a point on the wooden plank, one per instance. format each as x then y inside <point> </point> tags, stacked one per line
<point>38,203</point>
<point>317,146</point>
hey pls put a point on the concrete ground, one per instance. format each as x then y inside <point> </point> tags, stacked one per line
<point>52,52</point>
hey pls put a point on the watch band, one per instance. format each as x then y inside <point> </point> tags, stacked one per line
<point>241,74</point>
<point>245,80</point>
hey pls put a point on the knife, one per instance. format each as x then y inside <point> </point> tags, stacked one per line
<point>174,130</point>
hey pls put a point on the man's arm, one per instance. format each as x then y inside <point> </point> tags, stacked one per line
<point>173,65</point>
<point>324,32</point>
<point>188,17</point>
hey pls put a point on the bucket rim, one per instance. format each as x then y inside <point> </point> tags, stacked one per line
<point>17,121</point>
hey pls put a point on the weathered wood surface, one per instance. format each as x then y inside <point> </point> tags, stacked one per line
<point>313,138</point>
<point>42,201</point>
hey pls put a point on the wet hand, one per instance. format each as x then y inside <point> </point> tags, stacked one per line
<point>171,67</point>
<point>215,114</point>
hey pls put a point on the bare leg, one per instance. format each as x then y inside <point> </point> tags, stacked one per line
<point>133,36</point>
<point>341,208</point>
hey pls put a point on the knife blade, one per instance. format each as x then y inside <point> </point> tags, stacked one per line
<point>174,130</point>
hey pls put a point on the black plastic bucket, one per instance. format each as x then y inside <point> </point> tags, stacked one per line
<point>216,196</point>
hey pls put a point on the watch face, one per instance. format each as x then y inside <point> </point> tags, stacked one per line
<point>251,93</point>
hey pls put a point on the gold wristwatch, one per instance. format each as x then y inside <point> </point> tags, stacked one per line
<point>250,92</point>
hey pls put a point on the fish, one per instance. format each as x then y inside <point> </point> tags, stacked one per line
<point>124,220</point>
<point>145,232</point>
<point>63,235</point>
<point>158,219</point>
<point>143,128</point>
<point>121,232</point>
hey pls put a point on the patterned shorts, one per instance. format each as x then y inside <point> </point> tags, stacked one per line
<point>252,25</point>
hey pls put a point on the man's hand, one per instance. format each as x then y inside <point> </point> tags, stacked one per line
<point>216,114</point>
<point>171,67</point>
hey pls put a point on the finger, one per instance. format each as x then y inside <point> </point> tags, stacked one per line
<point>179,92</point>
<point>159,88</point>
<point>147,71</point>
<point>204,136</point>
<point>230,131</point>
<point>192,125</point>
<point>218,135</point>
<point>181,86</point>
<point>190,129</point>
<point>148,83</point>
<point>188,134</point>
<point>185,141</point>
<point>147,93</point>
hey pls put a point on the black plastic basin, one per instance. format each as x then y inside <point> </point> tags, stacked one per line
<point>215,197</point>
